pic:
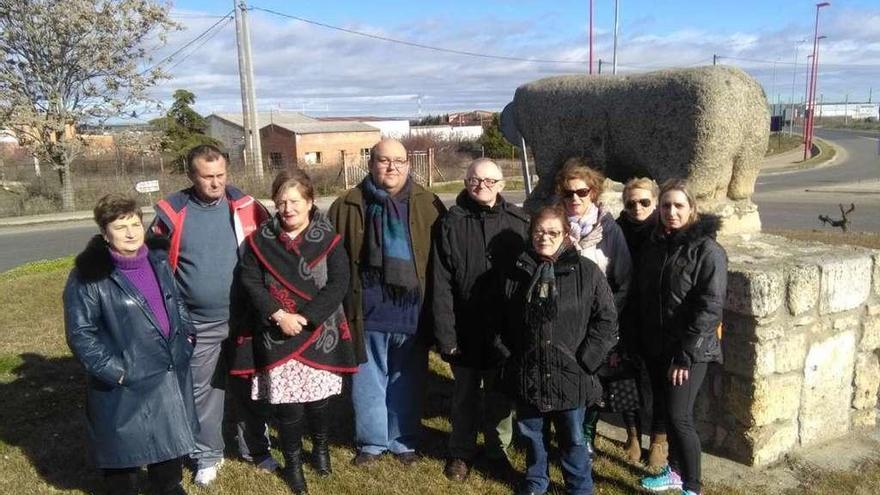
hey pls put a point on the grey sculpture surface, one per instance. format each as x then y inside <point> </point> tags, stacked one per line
<point>709,125</point>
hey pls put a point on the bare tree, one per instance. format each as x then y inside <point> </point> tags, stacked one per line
<point>64,63</point>
<point>843,222</point>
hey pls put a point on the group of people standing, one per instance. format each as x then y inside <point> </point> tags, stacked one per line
<point>283,310</point>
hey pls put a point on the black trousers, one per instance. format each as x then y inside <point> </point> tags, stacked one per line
<point>165,478</point>
<point>658,371</point>
<point>684,443</point>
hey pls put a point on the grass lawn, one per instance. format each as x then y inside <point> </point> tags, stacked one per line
<point>780,142</point>
<point>42,425</point>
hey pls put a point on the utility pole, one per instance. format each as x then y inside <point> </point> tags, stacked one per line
<point>590,68</point>
<point>253,149</point>
<point>714,59</point>
<point>614,53</point>
<point>600,66</point>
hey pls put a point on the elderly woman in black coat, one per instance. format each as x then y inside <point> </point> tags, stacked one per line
<point>682,283</point>
<point>127,325</point>
<point>557,322</point>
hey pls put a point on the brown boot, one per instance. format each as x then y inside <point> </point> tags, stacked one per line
<point>658,452</point>
<point>633,446</point>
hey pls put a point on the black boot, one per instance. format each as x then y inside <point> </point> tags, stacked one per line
<point>319,422</point>
<point>291,448</point>
<point>591,420</point>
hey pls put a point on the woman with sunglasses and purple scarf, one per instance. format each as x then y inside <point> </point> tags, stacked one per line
<point>598,238</point>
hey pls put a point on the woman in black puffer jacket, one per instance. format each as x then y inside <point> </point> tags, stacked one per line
<point>681,286</point>
<point>556,323</point>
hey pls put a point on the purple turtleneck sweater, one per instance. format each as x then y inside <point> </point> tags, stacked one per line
<point>140,273</point>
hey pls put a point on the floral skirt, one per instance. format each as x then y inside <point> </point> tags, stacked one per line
<point>295,382</point>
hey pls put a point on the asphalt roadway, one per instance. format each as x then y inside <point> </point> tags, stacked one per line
<point>791,200</point>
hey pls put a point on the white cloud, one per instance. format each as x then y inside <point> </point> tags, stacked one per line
<point>302,66</point>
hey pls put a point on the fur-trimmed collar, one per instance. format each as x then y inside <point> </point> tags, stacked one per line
<point>95,262</point>
<point>706,227</point>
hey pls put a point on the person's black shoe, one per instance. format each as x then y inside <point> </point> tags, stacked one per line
<point>456,469</point>
<point>407,458</point>
<point>363,458</point>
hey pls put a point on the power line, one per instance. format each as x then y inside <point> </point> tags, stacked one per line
<point>204,41</point>
<point>419,45</point>
<point>188,44</point>
<point>781,62</point>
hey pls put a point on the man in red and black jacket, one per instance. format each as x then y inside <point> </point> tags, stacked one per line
<point>206,225</point>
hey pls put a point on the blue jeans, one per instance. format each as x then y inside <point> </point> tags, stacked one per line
<point>575,459</point>
<point>387,393</point>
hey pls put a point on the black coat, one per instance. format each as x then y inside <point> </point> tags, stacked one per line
<point>553,367</point>
<point>471,240</point>
<point>682,284</point>
<point>149,417</point>
<point>636,235</point>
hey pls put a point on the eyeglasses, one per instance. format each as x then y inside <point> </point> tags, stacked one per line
<point>386,161</point>
<point>476,181</point>
<point>631,204</point>
<point>581,193</point>
<point>552,234</point>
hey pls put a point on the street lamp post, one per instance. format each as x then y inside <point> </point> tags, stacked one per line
<point>814,85</point>
<point>793,82</point>
<point>811,103</point>
<point>807,78</point>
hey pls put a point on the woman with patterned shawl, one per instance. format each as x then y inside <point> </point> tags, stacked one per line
<point>294,274</point>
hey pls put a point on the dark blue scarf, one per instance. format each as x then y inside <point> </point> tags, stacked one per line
<point>388,252</point>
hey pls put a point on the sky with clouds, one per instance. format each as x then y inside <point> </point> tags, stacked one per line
<point>327,72</point>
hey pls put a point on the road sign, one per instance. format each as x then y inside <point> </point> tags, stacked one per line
<point>508,126</point>
<point>147,186</point>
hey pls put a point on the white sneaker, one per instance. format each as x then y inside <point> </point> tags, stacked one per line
<point>268,464</point>
<point>205,476</point>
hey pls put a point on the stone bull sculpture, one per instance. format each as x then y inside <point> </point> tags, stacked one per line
<point>709,125</point>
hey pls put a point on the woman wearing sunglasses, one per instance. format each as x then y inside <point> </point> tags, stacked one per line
<point>556,324</point>
<point>597,237</point>
<point>680,293</point>
<point>637,220</point>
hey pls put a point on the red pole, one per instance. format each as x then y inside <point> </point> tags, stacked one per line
<point>815,84</point>
<point>807,78</point>
<point>591,37</point>
<point>811,97</point>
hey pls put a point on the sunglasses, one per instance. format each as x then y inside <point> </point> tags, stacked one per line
<point>631,205</point>
<point>581,193</point>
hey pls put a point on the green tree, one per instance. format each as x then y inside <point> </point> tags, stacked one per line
<point>493,142</point>
<point>182,127</point>
<point>73,62</point>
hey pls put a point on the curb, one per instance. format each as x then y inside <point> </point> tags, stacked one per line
<point>838,151</point>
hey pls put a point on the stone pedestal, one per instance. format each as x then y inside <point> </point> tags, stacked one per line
<point>801,340</point>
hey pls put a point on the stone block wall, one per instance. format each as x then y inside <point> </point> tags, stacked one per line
<point>801,346</point>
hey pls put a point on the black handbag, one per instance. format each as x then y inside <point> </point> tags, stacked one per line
<point>622,395</point>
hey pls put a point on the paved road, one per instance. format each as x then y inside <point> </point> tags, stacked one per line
<point>786,200</point>
<point>794,200</point>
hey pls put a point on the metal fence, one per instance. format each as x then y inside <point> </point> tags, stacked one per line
<point>421,163</point>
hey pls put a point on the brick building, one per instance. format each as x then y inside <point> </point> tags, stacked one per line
<point>315,144</point>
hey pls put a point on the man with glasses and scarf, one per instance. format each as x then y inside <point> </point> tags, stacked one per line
<point>482,231</point>
<point>386,222</point>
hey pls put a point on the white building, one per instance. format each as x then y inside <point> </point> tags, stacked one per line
<point>448,132</point>
<point>388,128</point>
